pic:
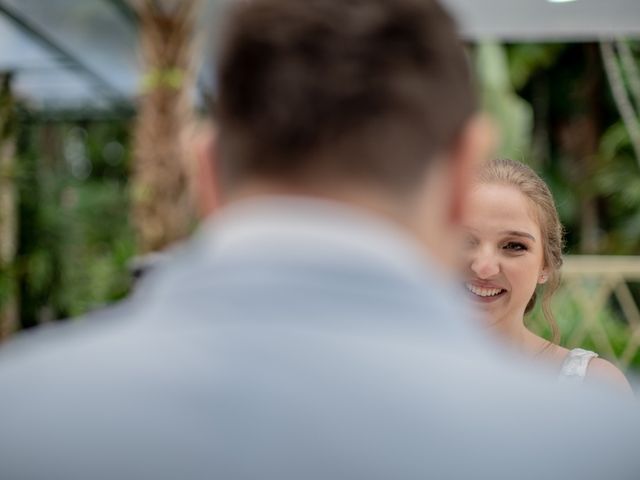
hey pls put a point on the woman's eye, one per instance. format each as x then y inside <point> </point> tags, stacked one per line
<point>515,247</point>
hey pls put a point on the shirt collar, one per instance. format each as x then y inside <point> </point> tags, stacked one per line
<point>307,225</point>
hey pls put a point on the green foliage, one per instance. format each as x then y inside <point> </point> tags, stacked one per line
<point>38,271</point>
<point>7,284</point>
<point>618,182</point>
<point>96,246</point>
<point>7,107</point>
<point>513,115</point>
<point>74,206</point>
<point>526,59</point>
<point>570,316</point>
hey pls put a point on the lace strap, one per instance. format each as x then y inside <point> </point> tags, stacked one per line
<point>574,367</point>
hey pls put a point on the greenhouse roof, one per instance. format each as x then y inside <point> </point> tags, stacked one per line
<point>81,54</point>
<point>69,53</point>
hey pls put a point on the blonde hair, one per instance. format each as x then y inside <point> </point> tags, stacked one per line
<point>515,174</point>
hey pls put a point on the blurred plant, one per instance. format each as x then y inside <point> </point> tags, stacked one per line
<point>619,90</point>
<point>570,317</point>
<point>527,59</point>
<point>618,180</point>
<point>75,238</point>
<point>618,175</point>
<point>512,114</point>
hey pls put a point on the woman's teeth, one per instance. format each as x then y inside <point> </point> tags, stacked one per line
<point>483,292</point>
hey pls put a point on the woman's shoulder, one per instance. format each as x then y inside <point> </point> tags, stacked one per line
<point>605,371</point>
<point>596,369</point>
<point>584,365</point>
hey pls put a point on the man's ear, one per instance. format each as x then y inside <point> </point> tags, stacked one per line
<point>473,147</point>
<point>206,181</point>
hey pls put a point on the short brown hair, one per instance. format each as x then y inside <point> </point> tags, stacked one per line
<point>361,90</point>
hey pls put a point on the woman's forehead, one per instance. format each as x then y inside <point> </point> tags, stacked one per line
<point>501,208</point>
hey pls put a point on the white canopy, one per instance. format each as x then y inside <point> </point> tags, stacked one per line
<point>79,54</point>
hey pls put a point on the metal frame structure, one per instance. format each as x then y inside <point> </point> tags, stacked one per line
<point>116,99</point>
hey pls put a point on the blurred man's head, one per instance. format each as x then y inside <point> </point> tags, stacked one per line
<point>368,101</point>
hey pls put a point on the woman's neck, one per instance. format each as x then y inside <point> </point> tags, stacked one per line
<point>520,337</point>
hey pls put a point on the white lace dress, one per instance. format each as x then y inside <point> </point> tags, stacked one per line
<point>574,367</point>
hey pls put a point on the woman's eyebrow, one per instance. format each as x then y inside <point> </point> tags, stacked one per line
<point>517,233</point>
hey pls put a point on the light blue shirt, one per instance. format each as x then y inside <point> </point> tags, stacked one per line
<point>296,339</point>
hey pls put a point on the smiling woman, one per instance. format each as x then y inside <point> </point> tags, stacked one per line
<point>514,248</point>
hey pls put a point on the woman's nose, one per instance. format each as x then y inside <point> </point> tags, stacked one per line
<point>484,264</point>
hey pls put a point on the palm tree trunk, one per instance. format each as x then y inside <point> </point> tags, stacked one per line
<point>162,211</point>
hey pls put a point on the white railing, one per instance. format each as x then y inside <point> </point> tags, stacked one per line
<point>591,283</point>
